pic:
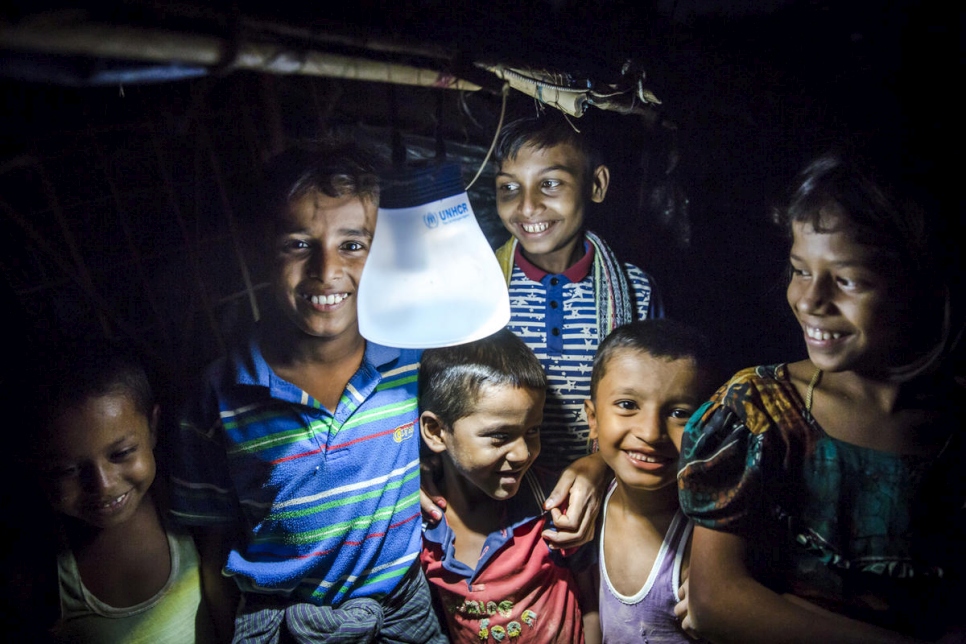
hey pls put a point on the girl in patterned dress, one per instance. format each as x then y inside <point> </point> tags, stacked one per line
<point>828,494</point>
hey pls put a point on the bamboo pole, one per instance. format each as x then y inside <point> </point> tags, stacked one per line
<point>343,40</point>
<point>272,123</point>
<point>162,46</point>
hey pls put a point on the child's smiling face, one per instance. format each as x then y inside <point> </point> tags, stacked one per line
<point>320,249</point>
<point>541,196</point>
<point>847,299</point>
<point>491,449</point>
<point>638,414</point>
<point>99,460</point>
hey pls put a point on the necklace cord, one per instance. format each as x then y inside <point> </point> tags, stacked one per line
<point>812,384</point>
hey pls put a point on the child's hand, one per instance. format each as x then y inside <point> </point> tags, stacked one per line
<point>681,610</point>
<point>432,504</point>
<point>575,502</point>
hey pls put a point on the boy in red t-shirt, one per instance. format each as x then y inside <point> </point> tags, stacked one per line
<point>492,574</point>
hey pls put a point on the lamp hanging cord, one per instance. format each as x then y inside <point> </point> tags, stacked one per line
<point>496,135</point>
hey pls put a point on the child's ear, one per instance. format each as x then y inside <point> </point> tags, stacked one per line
<point>599,183</point>
<point>153,424</point>
<point>591,412</point>
<point>431,429</point>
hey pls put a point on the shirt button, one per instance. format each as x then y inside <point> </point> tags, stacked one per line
<point>553,304</point>
<point>555,331</point>
<point>554,281</point>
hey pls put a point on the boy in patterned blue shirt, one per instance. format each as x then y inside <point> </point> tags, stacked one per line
<point>298,466</point>
<point>567,288</point>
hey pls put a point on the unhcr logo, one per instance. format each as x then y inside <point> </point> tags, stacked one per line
<point>447,215</point>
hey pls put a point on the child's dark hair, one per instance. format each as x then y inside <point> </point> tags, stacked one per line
<point>334,167</point>
<point>664,338</point>
<point>74,371</point>
<point>836,184</point>
<point>450,378</point>
<point>542,132</point>
<point>902,233</point>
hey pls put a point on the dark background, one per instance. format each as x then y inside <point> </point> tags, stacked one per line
<point>124,205</point>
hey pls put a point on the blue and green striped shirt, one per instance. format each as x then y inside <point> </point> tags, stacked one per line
<point>329,502</point>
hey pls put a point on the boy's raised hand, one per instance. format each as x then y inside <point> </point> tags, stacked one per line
<point>575,502</point>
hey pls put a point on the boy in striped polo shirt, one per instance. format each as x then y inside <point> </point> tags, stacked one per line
<point>567,289</point>
<point>298,465</point>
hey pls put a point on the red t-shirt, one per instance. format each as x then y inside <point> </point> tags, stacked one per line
<point>521,591</point>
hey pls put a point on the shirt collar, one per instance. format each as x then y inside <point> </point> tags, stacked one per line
<point>521,508</point>
<point>575,273</point>
<point>251,368</point>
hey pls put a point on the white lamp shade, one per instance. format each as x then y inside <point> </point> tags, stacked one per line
<point>431,278</point>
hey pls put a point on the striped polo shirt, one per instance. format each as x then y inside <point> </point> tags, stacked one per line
<point>556,316</point>
<point>329,502</point>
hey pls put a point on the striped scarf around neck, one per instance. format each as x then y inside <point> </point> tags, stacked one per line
<point>611,286</point>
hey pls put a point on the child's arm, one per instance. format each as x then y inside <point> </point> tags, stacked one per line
<point>575,502</point>
<point>588,587</point>
<point>220,593</point>
<point>726,604</point>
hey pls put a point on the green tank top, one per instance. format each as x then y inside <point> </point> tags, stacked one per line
<point>171,616</point>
